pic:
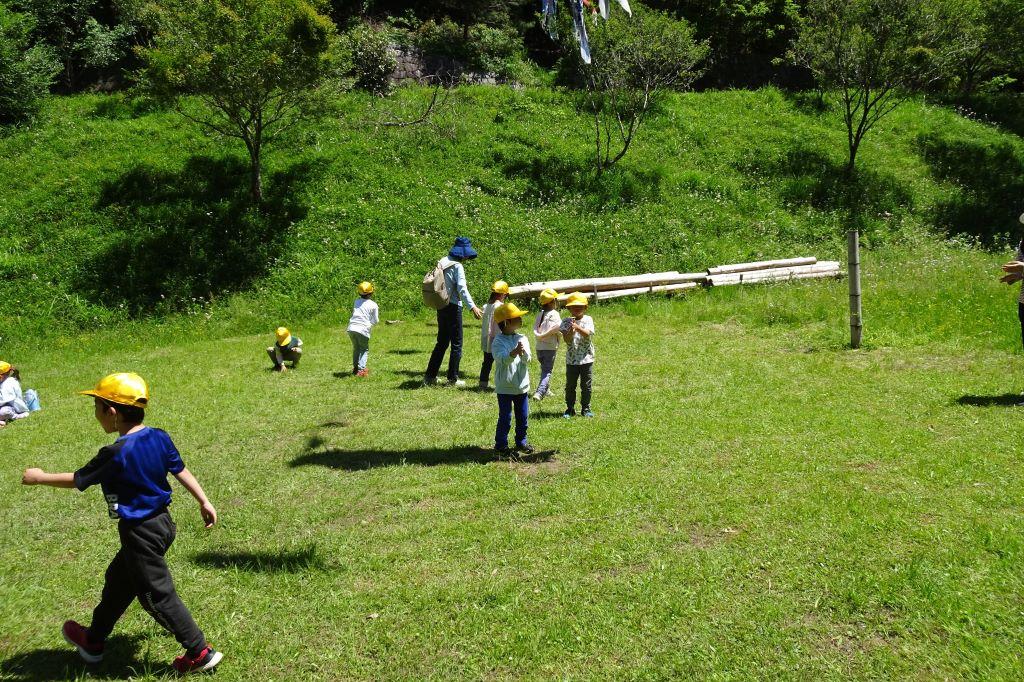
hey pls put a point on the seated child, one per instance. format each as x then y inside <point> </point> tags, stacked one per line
<point>365,314</point>
<point>488,330</point>
<point>578,332</point>
<point>511,377</point>
<point>547,329</point>
<point>12,400</point>
<point>287,349</point>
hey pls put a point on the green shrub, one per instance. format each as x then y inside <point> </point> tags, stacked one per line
<point>26,70</point>
<point>373,61</point>
<point>488,49</point>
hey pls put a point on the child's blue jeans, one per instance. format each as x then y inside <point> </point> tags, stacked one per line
<point>360,350</point>
<point>522,409</point>
<point>547,366</point>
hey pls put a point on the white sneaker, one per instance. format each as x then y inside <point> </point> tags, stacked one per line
<point>458,383</point>
<point>538,397</point>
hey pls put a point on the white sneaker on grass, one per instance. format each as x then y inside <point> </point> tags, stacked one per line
<point>458,383</point>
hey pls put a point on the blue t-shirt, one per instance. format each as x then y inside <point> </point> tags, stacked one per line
<point>132,473</point>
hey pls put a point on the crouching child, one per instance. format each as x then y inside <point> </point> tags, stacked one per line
<point>132,473</point>
<point>288,348</point>
<point>511,377</point>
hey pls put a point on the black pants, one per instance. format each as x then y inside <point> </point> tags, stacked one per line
<point>585,375</point>
<point>1020,316</point>
<point>138,571</point>
<point>485,368</point>
<point>449,332</point>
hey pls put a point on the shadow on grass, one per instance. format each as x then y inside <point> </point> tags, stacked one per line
<point>277,561</point>
<point>411,385</point>
<point>1004,400</point>
<point>120,661</point>
<point>988,180</point>
<point>342,375</point>
<point>551,178</point>
<point>187,235</point>
<point>360,460</point>
<point>806,176</point>
<point>405,351</point>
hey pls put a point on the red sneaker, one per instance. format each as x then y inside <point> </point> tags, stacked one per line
<point>363,373</point>
<point>206,660</point>
<point>77,636</point>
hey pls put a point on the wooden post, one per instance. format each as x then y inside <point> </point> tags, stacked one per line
<point>853,265</point>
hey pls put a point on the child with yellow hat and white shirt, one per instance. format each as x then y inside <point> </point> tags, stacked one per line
<point>365,314</point>
<point>578,332</point>
<point>511,377</point>
<point>547,330</point>
<point>489,330</point>
<point>288,348</point>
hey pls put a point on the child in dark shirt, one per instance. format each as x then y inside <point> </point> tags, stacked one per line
<point>132,472</point>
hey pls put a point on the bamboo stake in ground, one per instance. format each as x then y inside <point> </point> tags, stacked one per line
<point>853,265</point>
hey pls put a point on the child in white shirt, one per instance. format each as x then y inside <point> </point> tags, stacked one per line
<point>578,332</point>
<point>547,330</point>
<point>489,330</point>
<point>365,314</point>
<point>12,400</point>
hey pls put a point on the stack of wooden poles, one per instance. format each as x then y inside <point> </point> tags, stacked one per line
<point>606,288</point>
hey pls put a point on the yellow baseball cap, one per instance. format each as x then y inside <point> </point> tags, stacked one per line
<point>284,337</point>
<point>576,298</point>
<point>365,288</point>
<point>507,311</point>
<point>500,287</point>
<point>123,388</point>
<point>5,367</point>
<point>547,296</point>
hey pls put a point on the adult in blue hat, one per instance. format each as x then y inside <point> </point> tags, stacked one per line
<point>449,318</point>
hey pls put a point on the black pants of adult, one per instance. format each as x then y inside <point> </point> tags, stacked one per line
<point>449,333</point>
<point>485,368</point>
<point>1020,316</point>
<point>584,374</point>
<point>138,571</point>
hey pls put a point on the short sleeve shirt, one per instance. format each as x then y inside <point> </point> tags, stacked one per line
<point>580,349</point>
<point>132,472</point>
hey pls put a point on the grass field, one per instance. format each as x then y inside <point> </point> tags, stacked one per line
<point>753,500</point>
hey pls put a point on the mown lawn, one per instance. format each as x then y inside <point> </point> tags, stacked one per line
<point>753,500</point>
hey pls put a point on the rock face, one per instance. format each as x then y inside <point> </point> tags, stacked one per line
<point>414,65</point>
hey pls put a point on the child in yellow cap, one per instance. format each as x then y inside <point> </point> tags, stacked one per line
<point>132,472</point>
<point>578,332</point>
<point>288,348</point>
<point>12,399</point>
<point>365,314</point>
<point>547,330</point>
<point>489,330</point>
<point>511,377</point>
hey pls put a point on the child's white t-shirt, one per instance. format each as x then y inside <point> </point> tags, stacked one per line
<point>549,322</point>
<point>488,329</point>
<point>580,349</point>
<point>365,314</point>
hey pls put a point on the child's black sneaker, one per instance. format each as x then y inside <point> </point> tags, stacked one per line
<point>78,637</point>
<point>588,413</point>
<point>526,449</point>
<point>568,414</point>
<point>207,659</point>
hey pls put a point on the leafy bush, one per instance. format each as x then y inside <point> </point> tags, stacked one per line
<point>479,47</point>
<point>26,70</point>
<point>373,61</point>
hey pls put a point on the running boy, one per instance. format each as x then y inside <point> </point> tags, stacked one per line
<point>287,349</point>
<point>511,377</point>
<point>547,329</point>
<point>578,332</point>
<point>133,475</point>
<point>488,330</point>
<point>365,314</point>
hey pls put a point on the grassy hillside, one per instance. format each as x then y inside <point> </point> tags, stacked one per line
<point>113,212</point>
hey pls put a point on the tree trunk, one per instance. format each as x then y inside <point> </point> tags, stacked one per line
<point>255,174</point>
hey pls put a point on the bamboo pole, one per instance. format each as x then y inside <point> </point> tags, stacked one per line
<point>664,288</point>
<point>853,263</point>
<point>596,284</point>
<point>826,268</point>
<point>761,265</point>
<point>830,274</point>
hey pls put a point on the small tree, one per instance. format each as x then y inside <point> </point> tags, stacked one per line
<point>874,53</point>
<point>26,70</point>
<point>257,66</point>
<point>635,62</point>
<point>987,34</point>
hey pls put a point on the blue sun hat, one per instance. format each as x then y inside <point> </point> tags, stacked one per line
<point>462,249</point>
